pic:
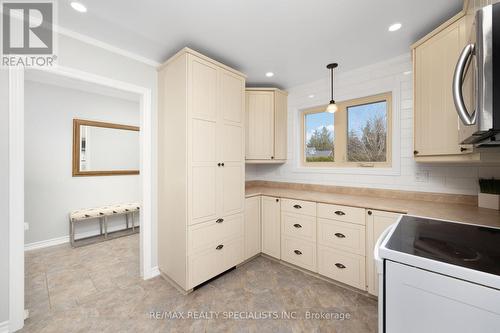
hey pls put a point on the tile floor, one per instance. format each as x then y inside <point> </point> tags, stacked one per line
<point>97,289</point>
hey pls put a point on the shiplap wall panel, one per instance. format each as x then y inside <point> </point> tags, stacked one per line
<point>365,81</point>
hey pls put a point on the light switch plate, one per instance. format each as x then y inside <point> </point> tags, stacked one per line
<point>26,226</point>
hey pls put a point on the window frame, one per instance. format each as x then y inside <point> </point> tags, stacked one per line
<point>341,133</point>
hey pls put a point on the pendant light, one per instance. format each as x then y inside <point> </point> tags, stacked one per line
<point>332,107</point>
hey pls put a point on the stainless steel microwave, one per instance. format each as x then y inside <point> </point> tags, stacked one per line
<point>476,81</point>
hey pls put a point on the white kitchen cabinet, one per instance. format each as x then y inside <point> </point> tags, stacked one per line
<point>266,125</point>
<point>201,167</point>
<point>271,231</point>
<point>376,222</point>
<point>342,266</point>
<point>252,227</point>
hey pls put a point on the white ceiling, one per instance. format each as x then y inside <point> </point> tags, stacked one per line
<point>295,39</point>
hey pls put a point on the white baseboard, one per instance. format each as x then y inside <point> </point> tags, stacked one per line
<point>46,243</point>
<point>4,327</point>
<point>155,271</point>
<point>65,239</point>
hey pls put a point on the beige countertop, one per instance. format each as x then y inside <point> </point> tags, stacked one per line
<point>447,211</point>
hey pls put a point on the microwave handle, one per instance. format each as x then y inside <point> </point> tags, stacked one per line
<point>458,98</point>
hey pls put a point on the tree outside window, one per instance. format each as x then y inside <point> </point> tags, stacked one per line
<point>357,135</point>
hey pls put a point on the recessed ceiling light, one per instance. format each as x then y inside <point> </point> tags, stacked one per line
<point>311,96</point>
<point>78,6</point>
<point>269,74</point>
<point>395,27</point>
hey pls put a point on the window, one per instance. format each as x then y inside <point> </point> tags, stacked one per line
<point>357,135</point>
<point>319,137</point>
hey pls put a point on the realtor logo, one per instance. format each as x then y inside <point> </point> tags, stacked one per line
<point>27,33</point>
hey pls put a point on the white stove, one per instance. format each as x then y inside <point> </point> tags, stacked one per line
<point>438,276</point>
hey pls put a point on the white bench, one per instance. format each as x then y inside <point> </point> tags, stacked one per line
<point>102,213</point>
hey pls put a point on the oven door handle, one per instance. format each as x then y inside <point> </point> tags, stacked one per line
<point>458,98</point>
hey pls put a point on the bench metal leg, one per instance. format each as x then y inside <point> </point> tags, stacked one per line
<point>106,227</point>
<point>133,222</point>
<point>100,225</point>
<point>72,232</point>
<point>126,219</point>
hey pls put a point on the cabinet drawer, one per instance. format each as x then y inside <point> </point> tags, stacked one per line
<point>210,234</point>
<point>342,213</point>
<point>345,236</point>
<point>297,225</point>
<point>299,252</point>
<point>212,261</point>
<point>298,206</point>
<point>342,266</point>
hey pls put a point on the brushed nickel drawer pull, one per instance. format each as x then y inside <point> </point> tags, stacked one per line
<point>296,225</point>
<point>219,221</point>
<point>339,212</point>
<point>297,252</point>
<point>339,235</point>
<point>297,206</point>
<point>219,247</point>
<point>339,265</point>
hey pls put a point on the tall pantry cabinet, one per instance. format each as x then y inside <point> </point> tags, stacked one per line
<point>201,168</point>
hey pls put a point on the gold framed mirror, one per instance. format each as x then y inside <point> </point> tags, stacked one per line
<point>105,149</point>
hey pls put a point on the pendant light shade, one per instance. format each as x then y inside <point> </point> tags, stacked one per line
<point>332,107</point>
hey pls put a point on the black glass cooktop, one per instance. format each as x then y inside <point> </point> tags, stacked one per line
<point>465,245</point>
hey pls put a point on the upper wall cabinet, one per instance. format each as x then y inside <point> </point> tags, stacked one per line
<point>435,118</point>
<point>266,125</point>
<point>436,123</point>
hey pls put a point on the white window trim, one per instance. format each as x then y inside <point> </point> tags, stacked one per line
<point>392,85</point>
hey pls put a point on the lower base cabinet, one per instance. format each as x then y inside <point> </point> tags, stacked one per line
<point>342,266</point>
<point>334,241</point>
<point>252,227</point>
<point>271,226</point>
<point>215,260</point>
<point>376,222</point>
<point>214,247</point>
<point>299,252</point>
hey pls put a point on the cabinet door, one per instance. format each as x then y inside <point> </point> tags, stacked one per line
<point>202,90</point>
<point>231,143</point>
<point>436,121</point>
<point>376,223</point>
<point>203,184</point>
<point>252,227</point>
<point>280,125</point>
<point>232,102</point>
<point>260,125</point>
<point>271,244</point>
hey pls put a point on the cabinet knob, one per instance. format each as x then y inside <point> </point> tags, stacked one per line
<point>298,226</point>
<point>462,149</point>
<point>272,157</point>
<point>339,265</point>
<point>297,252</point>
<point>297,206</point>
<point>415,152</point>
<point>222,164</point>
<point>339,212</point>
<point>370,212</point>
<point>219,221</point>
<point>277,200</point>
<point>339,235</point>
<point>218,164</point>
<point>219,247</point>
